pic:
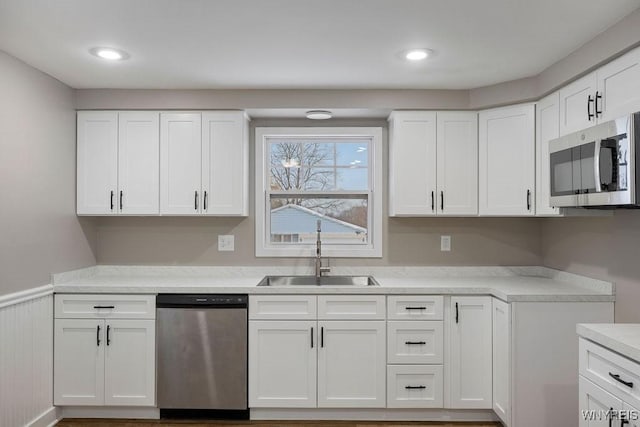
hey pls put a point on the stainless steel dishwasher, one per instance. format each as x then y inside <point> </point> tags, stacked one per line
<point>202,354</point>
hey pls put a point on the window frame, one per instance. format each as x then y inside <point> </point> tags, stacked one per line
<point>264,247</point>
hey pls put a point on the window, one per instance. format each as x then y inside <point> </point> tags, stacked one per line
<point>330,175</point>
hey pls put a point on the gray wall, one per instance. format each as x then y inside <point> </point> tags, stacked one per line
<point>39,231</point>
<point>606,248</point>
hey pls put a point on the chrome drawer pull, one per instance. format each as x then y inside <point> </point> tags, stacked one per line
<point>620,380</point>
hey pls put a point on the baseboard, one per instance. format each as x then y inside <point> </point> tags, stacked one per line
<point>441,415</point>
<point>47,419</point>
<point>109,412</point>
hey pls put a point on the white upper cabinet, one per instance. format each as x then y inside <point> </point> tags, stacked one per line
<point>225,162</point>
<point>138,163</point>
<point>180,163</point>
<point>457,167</point>
<point>433,163</point>
<point>470,352</point>
<point>507,161</point>
<point>605,94</point>
<point>412,163</point>
<point>619,86</point>
<point>577,104</point>
<point>97,167</point>
<point>547,128</point>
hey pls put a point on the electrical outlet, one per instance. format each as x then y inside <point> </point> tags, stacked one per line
<point>226,243</point>
<point>445,243</point>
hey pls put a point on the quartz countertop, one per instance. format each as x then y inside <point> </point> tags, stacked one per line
<point>623,338</point>
<point>536,284</point>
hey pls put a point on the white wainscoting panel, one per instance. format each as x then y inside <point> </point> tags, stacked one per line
<point>26,358</point>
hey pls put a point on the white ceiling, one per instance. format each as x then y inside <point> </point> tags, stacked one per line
<point>300,43</point>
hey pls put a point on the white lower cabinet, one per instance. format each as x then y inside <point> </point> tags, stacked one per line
<point>414,386</point>
<point>282,363</point>
<point>470,352</point>
<point>501,319</point>
<point>351,364</point>
<point>297,361</point>
<point>597,407</point>
<point>103,361</point>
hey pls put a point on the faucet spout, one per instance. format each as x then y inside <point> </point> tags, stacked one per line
<point>319,268</point>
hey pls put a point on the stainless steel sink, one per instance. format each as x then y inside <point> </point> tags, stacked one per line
<point>358,281</point>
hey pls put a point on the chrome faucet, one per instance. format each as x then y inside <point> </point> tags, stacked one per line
<point>319,268</point>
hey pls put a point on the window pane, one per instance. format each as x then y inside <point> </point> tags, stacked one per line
<point>354,153</point>
<point>343,221</point>
<point>352,179</point>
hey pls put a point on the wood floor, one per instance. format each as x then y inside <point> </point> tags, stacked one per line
<point>173,423</point>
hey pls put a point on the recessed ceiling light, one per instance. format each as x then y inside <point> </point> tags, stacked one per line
<point>109,54</point>
<point>417,54</point>
<point>319,114</point>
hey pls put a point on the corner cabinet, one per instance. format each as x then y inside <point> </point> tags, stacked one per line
<point>104,352</point>
<point>470,359</point>
<point>152,163</point>
<point>433,163</point>
<point>547,128</point>
<point>117,163</point>
<point>507,161</point>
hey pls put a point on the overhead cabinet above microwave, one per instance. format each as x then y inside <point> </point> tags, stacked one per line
<point>605,94</point>
<point>152,163</point>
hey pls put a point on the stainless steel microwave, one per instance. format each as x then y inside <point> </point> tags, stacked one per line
<point>596,167</point>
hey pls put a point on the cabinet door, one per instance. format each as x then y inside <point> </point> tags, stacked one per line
<point>130,362</point>
<point>470,353</point>
<point>282,364</point>
<point>575,104</point>
<point>180,163</point>
<point>79,362</point>
<point>97,168</point>
<point>225,161</point>
<point>619,86</point>
<point>412,163</point>
<point>597,407</point>
<point>138,163</point>
<point>547,128</point>
<point>502,360</point>
<point>352,364</point>
<point>507,161</point>
<point>457,163</point>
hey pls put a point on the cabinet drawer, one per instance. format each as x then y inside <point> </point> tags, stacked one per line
<point>414,308</point>
<point>600,365</point>
<point>414,342</point>
<point>86,306</point>
<point>410,386</point>
<point>282,307</point>
<point>338,307</point>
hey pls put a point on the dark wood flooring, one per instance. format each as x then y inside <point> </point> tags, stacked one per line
<point>173,423</point>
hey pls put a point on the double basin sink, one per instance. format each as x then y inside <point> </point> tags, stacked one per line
<point>354,281</point>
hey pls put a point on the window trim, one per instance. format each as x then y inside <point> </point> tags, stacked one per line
<point>264,248</point>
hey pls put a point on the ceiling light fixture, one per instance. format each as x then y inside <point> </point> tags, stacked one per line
<point>109,54</point>
<point>417,54</point>
<point>319,114</point>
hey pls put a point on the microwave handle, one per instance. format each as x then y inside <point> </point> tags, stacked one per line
<point>596,165</point>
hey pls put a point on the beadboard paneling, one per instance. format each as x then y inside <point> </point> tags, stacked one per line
<point>26,361</point>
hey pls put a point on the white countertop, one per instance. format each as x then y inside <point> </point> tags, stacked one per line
<point>507,283</point>
<point>623,338</point>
